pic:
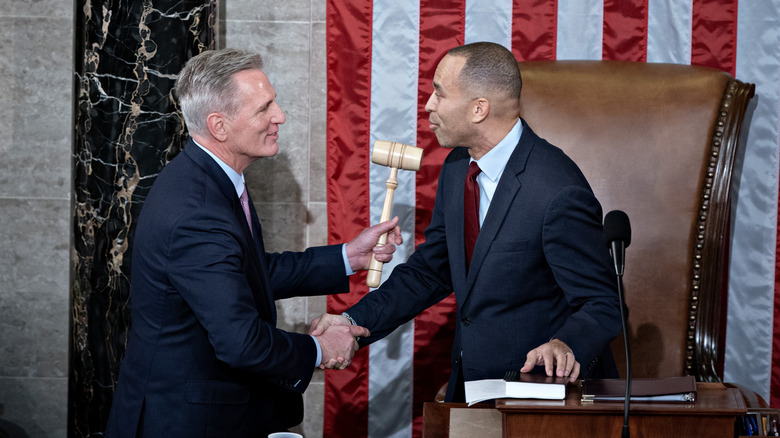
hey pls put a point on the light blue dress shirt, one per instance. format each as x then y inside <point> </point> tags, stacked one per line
<point>492,165</point>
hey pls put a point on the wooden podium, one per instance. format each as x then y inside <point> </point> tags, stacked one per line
<point>712,415</point>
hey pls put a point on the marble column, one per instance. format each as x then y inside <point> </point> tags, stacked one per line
<point>126,128</point>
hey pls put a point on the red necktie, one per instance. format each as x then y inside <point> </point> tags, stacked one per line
<point>244,198</point>
<point>471,209</point>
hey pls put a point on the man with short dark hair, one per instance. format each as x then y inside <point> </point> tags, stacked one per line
<point>516,233</point>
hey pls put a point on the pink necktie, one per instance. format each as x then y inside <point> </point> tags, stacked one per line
<point>471,210</point>
<point>245,205</point>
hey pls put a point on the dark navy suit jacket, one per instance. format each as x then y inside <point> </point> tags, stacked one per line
<point>540,269</point>
<point>204,357</point>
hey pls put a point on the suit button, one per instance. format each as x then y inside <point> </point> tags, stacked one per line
<point>466,321</point>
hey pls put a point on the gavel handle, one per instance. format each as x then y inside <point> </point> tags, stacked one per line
<point>375,267</point>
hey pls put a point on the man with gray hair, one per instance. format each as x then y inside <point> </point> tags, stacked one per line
<point>204,357</point>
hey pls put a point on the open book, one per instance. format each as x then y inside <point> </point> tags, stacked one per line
<point>516,385</point>
<point>668,389</point>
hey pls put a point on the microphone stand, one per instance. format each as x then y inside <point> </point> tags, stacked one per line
<point>617,234</point>
<point>626,432</point>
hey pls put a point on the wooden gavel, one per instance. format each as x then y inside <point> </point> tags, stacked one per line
<point>396,156</point>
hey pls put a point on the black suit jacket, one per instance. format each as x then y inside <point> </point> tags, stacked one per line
<point>204,357</point>
<point>540,269</point>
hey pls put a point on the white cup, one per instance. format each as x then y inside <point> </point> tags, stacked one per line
<point>285,435</point>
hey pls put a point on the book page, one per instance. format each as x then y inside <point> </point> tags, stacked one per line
<point>481,390</point>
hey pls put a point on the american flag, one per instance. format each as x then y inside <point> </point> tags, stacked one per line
<point>381,56</point>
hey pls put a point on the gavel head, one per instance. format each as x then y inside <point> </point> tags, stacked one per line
<point>398,155</point>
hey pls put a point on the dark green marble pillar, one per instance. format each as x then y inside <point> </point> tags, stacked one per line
<point>126,127</point>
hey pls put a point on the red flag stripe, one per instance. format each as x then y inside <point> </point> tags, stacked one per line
<point>349,93</point>
<point>625,30</point>
<point>534,29</point>
<point>714,34</point>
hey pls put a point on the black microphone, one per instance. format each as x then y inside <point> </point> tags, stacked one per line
<point>617,236</point>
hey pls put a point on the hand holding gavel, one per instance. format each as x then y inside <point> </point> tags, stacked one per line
<point>396,156</point>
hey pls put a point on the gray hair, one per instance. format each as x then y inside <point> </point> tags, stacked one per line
<point>489,69</point>
<point>205,85</point>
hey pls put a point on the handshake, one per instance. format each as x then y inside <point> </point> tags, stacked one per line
<point>338,339</point>
<point>336,334</point>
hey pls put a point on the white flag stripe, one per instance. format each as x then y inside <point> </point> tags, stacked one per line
<point>669,27</point>
<point>489,21</point>
<point>752,270</point>
<point>580,29</point>
<point>394,73</point>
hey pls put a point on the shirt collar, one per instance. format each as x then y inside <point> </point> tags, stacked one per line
<point>492,163</point>
<point>235,178</point>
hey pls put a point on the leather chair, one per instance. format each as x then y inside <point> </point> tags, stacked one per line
<point>659,142</point>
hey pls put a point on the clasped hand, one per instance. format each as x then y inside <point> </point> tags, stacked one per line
<point>339,344</point>
<point>338,339</point>
<point>336,335</point>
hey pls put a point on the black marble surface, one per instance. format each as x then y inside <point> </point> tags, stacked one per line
<point>126,127</point>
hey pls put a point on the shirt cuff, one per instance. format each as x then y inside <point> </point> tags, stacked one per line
<point>346,260</point>
<point>319,352</point>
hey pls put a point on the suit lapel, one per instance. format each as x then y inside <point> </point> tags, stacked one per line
<point>258,252</point>
<point>454,222</point>
<point>508,187</point>
<point>255,243</point>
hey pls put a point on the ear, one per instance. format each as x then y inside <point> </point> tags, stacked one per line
<point>480,109</point>
<point>218,126</point>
